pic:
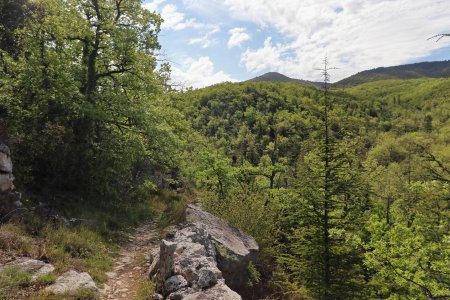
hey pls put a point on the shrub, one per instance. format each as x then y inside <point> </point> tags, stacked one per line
<point>11,279</point>
<point>47,279</point>
<point>146,290</point>
<point>78,248</point>
<point>13,239</point>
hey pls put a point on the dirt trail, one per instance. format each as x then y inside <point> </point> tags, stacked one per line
<point>132,263</point>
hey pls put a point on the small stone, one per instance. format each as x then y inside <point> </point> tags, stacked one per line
<point>174,283</point>
<point>158,297</point>
<point>126,260</point>
<point>206,278</point>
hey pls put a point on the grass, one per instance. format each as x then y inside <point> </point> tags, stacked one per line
<point>174,210</point>
<point>78,248</point>
<point>47,279</point>
<point>146,290</point>
<point>82,294</point>
<point>89,248</point>
<point>12,279</point>
<point>14,240</point>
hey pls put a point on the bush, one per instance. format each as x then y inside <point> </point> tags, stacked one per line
<point>11,279</point>
<point>13,239</point>
<point>47,279</point>
<point>146,290</point>
<point>78,248</point>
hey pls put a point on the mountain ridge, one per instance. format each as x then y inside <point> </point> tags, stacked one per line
<point>433,69</point>
<point>278,77</point>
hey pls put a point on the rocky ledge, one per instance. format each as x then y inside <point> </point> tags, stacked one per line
<point>203,259</point>
<point>6,169</point>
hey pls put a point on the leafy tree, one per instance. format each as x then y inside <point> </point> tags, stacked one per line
<point>12,17</point>
<point>86,98</point>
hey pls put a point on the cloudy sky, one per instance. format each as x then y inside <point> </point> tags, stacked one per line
<point>210,41</point>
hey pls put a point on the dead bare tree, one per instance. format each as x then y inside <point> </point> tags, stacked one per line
<point>439,37</point>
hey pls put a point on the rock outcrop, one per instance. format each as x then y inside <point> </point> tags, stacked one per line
<point>35,268</point>
<point>72,281</point>
<point>189,264</point>
<point>6,169</point>
<point>67,283</point>
<point>235,249</point>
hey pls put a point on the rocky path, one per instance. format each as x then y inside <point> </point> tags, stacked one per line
<point>132,263</point>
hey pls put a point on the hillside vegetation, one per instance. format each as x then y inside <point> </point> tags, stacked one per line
<point>277,77</point>
<point>370,168</point>
<point>347,191</point>
<point>435,69</point>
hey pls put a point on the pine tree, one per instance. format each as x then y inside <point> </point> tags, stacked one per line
<point>322,249</point>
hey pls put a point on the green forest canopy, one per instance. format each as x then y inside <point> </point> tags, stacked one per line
<point>348,194</point>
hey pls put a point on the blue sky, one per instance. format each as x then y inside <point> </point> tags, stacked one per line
<point>210,41</point>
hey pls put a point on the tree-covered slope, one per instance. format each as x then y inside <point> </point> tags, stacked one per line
<point>347,192</point>
<point>437,69</point>
<point>277,77</point>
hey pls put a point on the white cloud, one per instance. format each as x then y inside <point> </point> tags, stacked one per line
<point>176,20</point>
<point>206,40</point>
<point>354,34</point>
<point>198,73</point>
<point>268,57</point>
<point>237,37</point>
<point>173,18</point>
<point>153,5</point>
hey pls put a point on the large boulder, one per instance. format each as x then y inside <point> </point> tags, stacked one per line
<point>234,248</point>
<point>202,259</point>
<point>6,169</point>
<point>35,268</point>
<point>187,266</point>
<point>72,281</point>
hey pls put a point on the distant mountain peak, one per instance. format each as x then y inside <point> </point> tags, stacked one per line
<point>434,69</point>
<point>278,77</point>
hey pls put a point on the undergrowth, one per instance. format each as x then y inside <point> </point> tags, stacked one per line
<point>146,290</point>
<point>89,247</point>
<point>12,279</point>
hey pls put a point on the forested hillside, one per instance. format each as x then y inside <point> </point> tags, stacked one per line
<point>435,69</point>
<point>277,77</point>
<point>346,190</point>
<point>349,199</point>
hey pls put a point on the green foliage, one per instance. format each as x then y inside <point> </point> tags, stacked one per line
<point>253,274</point>
<point>47,279</point>
<point>347,192</point>
<point>174,210</point>
<point>263,168</point>
<point>77,248</point>
<point>84,101</point>
<point>14,240</point>
<point>11,279</point>
<point>146,290</point>
<point>436,69</point>
<point>12,16</point>
<point>81,294</point>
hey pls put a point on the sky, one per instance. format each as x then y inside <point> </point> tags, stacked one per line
<point>212,41</point>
